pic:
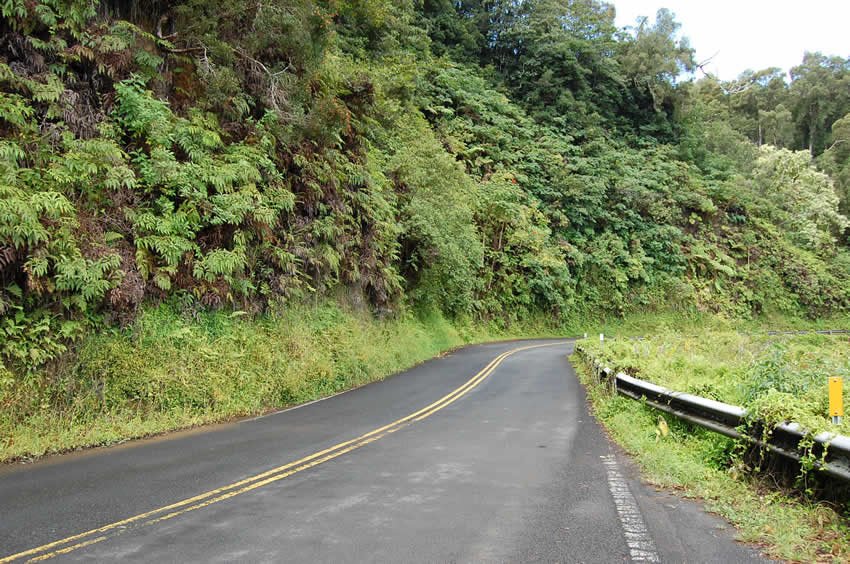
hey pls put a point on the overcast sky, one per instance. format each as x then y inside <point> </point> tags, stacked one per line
<point>752,34</point>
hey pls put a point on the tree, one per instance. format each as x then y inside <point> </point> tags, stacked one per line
<point>820,90</point>
<point>455,27</point>
<point>752,93</point>
<point>836,160</point>
<point>653,57</point>
<point>558,56</point>
<point>803,200</point>
<point>776,127</point>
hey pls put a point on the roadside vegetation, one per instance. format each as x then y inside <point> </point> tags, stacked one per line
<point>174,369</point>
<point>422,156</point>
<point>775,377</point>
<point>706,466</point>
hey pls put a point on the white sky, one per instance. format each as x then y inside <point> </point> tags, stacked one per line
<point>752,34</point>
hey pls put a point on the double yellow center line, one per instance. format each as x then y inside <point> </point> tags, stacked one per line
<point>93,536</point>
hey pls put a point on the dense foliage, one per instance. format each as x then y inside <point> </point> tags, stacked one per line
<point>489,159</point>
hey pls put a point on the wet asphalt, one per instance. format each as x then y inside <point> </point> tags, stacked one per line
<point>510,470</point>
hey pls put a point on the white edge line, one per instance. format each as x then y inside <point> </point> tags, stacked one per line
<point>640,543</point>
<point>300,405</point>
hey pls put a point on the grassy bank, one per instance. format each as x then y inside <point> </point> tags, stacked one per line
<point>170,371</point>
<point>692,322</point>
<point>778,378</point>
<point>703,465</point>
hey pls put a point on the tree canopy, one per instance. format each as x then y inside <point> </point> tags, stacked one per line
<point>489,158</point>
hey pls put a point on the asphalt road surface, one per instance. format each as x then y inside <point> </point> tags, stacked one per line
<point>487,454</point>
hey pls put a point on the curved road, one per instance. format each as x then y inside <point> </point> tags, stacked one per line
<point>487,454</point>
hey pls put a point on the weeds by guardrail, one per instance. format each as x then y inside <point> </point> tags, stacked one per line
<point>770,333</point>
<point>827,452</point>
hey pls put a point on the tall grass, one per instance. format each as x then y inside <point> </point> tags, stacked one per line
<point>170,371</point>
<point>778,378</point>
<point>704,465</point>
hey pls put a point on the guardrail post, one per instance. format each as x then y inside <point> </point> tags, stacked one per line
<point>836,400</point>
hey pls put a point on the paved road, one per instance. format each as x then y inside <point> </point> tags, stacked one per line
<point>479,456</point>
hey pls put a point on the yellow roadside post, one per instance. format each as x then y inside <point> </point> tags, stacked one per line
<point>836,400</point>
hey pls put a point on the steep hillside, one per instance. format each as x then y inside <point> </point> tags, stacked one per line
<point>493,161</point>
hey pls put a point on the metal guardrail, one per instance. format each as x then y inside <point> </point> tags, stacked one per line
<point>822,332</point>
<point>831,452</point>
<point>769,333</point>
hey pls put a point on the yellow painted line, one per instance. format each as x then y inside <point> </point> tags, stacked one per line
<point>267,473</point>
<point>253,482</point>
<point>67,549</point>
